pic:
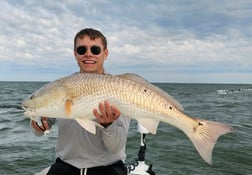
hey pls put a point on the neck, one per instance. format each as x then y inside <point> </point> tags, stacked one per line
<point>102,71</point>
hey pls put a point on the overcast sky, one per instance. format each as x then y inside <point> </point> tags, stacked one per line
<point>187,41</point>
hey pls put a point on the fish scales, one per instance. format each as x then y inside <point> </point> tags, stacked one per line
<point>109,87</point>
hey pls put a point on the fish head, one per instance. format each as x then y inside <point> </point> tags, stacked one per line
<point>46,101</point>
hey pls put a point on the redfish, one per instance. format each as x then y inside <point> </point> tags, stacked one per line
<point>75,97</point>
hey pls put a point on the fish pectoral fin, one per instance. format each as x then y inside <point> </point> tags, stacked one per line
<point>68,107</point>
<point>149,124</point>
<point>89,125</point>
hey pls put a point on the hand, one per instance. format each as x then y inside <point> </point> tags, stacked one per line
<point>42,127</point>
<point>109,113</point>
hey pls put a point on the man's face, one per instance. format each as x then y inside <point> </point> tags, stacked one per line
<point>89,61</point>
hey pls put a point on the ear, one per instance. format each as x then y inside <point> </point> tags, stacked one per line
<point>75,54</point>
<point>106,52</point>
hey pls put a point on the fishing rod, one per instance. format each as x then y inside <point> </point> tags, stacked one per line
<point>139,167</point>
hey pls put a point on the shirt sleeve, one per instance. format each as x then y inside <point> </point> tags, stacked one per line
<point>115,135</point>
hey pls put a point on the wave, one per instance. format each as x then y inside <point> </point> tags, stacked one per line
<point>4,128</point>
<point>11,106</point>
<point>230,91</point>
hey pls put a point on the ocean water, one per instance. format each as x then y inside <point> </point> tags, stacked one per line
<point>170,151</point>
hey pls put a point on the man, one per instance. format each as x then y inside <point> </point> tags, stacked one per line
<point>78,151</point>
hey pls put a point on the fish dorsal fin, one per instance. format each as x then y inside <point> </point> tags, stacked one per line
<point>89,125</point>
<point>138,79</point>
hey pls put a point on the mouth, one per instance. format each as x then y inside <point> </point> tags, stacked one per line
<point>89,62</point>
<point>29,112</point>
<point>28,109</point>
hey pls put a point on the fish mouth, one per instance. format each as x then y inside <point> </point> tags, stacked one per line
<point>28,111</point>
<point>89,61</point>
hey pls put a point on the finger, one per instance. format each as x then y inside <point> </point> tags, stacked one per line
<point>96,114</point>
<point>99,117</point>
<point>44,118</point>
<point>33,123</point>
<point>108,108</point>
<point>37,127</point>
<point>115,111</point>
<point>45,124</point>
<point>102,110</point>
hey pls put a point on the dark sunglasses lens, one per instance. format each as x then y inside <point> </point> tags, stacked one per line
<point>95,50</point>
<point>81,50</point>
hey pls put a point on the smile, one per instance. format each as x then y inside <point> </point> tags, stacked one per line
<point>89,62</point>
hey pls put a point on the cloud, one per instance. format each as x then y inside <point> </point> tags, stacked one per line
<point>185,37</point>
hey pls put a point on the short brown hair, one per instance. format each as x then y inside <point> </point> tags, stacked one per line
<point>93,34</point>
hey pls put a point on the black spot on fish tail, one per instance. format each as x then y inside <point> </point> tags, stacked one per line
<point>200,124</point>
<point>196,127</point>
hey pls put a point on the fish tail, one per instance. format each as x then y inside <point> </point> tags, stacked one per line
<point>204,136</point>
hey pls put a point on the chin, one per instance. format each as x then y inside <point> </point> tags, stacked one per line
<point>88,69</point>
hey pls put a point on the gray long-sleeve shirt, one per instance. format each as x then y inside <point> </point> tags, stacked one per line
<point>83,149</point>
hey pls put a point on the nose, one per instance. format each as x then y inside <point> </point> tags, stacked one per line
<point>88,52</point>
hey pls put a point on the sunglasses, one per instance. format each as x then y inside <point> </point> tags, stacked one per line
<point>81,50</point>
